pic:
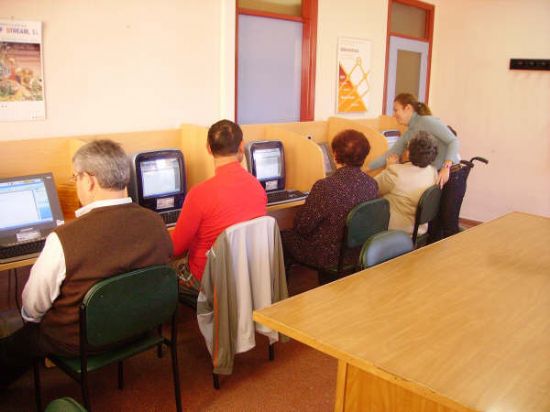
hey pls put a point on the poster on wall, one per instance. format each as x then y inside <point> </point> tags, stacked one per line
<point>21,74</point>
<point>353,75</point>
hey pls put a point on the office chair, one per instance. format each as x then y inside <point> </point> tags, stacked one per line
<point>384,246</point>
<point>64,405</point>
<point>363,221</point>
<point>124,313</point>
<point>244,272</point>
<point>426,211</point>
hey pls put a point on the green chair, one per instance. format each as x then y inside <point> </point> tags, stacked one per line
<point>426,211</point>
<point>384,246</point>
<point>363,221</point>
<point>65,405</point>
<point>124,313</point>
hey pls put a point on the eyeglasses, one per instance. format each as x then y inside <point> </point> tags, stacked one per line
<point>74,177</point>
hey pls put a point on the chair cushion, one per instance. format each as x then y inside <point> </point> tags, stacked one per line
<point>110,356</point>
<point>65,405</point>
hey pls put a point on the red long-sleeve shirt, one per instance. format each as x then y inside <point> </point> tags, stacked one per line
<point>232,196</point>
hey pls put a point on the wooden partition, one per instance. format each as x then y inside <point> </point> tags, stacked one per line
<point>303,158</point>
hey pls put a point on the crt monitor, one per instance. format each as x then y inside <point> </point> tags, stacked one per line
<point>266,161</point>
<point>158,179</point>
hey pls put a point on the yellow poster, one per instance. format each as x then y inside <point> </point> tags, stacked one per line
<point>353,75</point>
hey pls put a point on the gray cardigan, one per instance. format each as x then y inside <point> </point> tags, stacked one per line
<point>447,142</point>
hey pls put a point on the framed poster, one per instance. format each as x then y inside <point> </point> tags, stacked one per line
<point>353,75</point>
<point>21,74</point>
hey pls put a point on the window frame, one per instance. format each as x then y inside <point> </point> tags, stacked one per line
<point>428,37</point>
<point>309,52</point>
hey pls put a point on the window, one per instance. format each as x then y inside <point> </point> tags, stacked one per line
<point>275,60</point>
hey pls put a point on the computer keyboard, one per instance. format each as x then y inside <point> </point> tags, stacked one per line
<point>170,218</point>
<point>20,251</point>
<point>285,196</point>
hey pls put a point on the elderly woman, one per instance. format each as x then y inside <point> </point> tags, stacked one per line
<point>319,224</point>
<point>403,184</point>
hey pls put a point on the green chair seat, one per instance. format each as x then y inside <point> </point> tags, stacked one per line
<point>426,211</point>
<point>100,360</point>
<point>65,405</point>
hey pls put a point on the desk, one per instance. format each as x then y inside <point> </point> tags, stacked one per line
<point>460,325</point>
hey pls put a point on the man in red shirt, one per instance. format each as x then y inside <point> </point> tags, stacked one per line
<point>232,196</point>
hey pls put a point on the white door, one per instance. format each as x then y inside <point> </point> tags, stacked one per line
<point>407,69</point>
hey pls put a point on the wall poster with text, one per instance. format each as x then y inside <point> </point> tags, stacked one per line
<point>353,75</point>
<point>21,73</point>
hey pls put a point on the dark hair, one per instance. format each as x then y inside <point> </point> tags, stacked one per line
<point>224,138</point>
<point>422,149</point>
<point>106,160</point>
<point>350,148</point>
<point>419,107</point>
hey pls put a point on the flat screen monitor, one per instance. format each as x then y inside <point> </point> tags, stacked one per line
<point>29,208</point>
<point>328,160</point>
<point>266,161</point>
<point>158,179</point>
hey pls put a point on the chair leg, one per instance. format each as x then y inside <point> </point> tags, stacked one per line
<point>84,388</point>
<point>174,352</point>
<point>216,380</point>
<point>159,347</point>
<point>37,392</point>
<point>120,375</point>
<point>271,350</point>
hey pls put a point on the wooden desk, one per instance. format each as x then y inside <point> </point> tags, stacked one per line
<point>461,325</point>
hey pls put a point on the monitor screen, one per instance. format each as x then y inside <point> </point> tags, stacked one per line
<point>391,136</point>
<point>24,203</point>
<point>328,160</point>
<point>158,179</point>
<point>266,161</point>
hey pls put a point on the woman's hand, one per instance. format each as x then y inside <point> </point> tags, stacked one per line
<point>392,159</point>
<point>443,176</point>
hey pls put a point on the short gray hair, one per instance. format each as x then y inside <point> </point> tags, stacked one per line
<point>107,161</point>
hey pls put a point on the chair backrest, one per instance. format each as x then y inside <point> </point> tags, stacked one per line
<point>128,305</point>
<point>384,246</point>
<point>427,209</point>
<point>365,220</point>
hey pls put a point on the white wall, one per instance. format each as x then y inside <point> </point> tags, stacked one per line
<point>364,19</point>
<point>131,65</point>
<point>126,65</point>
<point>501,114</point>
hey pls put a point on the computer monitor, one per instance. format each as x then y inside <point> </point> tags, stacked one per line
<point>158,179</point>
<point>328,160</point>
<point>29,208</point>
<point>266,161</point>
<point>391,136</point>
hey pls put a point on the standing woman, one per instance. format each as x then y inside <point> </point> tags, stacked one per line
<point>417,116</point>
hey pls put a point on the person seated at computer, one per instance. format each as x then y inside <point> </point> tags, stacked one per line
<point>408,111</point>
<point>404,183</point>
<point>111,235</point>
<point>232,196</point>
<point>319,225</point>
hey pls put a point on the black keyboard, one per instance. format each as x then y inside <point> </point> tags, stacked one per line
<point>285,196</point>
<point>170,218</point>
<point>21,250</point>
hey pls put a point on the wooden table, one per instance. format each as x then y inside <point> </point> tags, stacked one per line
<point>461,325</point>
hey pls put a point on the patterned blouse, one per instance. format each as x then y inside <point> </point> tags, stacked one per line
<point>319,224</point>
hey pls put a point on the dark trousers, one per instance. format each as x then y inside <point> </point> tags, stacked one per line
<point>446,222</point>
<point>18,351</point>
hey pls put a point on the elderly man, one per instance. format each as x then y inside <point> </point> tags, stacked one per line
<point>111,235</point>
<point>232,196</point>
